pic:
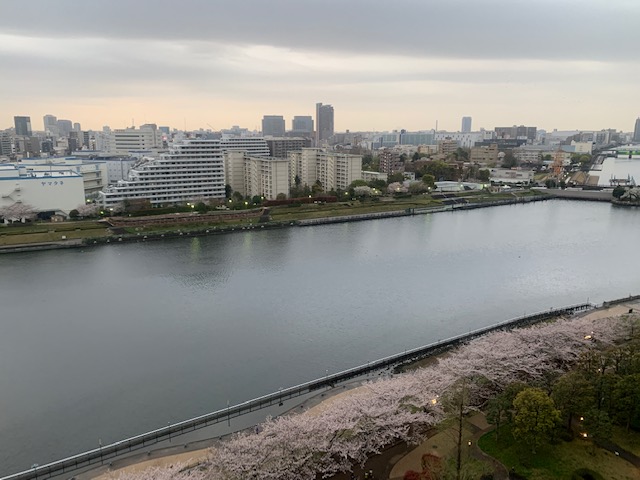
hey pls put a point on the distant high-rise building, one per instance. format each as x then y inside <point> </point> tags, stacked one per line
<point>516,132</point>
<point>50,123</point>
<point>636,131</point>
<point>6,144</point>
<point>64,127</point>
<point>466,125</point>
<point>23,126</point>
<point>273,125</point>
<point>324,122</point>
<point>77,127</point>
<point>302,126</point>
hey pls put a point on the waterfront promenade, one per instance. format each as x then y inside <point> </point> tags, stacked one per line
<point>109,453</point>
<point>390,464</point>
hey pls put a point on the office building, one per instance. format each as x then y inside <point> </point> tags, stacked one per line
<point>465,140</point>
<point>280,147</point>
<point>324,122</point>
<point>466,125</point>
<point>64,127</point>
<point>126,140</point>
<point>636,131</point>
<point>6,144</point>
<point>516,132</point>
<point>23,126</point>
<point>192,170</point>
<point>273,126</point>
<point>302,126</point>
<point>50,123</point>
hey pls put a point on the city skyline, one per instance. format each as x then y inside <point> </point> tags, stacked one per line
<point>382,68</point>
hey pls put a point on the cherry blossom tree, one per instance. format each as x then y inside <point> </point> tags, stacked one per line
<point>88,210</point>
<point>403,407</point>
<point>18,212</point>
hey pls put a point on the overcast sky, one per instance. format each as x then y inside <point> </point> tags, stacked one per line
<point>383,65</point>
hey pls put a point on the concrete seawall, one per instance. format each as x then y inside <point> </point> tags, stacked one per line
<point>587,195</point>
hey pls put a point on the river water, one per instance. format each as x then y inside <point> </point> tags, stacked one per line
<point>109,342</point>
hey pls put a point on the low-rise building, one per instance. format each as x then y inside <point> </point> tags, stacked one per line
<point>484,155</point>
<point>58,190</point>
<point>368,176</point>
<point>94,172</point>
<point>513,176</point>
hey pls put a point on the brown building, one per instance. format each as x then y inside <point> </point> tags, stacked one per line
<point>485,154</point>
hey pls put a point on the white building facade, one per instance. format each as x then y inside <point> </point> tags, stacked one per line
<point>59,190</point>
<point>126,140</point>
<point>334,170</point>
<point>257,176</point>
<point>192,170</point>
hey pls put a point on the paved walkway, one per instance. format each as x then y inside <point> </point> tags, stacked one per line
<point>443,444</point>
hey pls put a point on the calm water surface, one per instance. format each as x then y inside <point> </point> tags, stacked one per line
<point>114,341</point>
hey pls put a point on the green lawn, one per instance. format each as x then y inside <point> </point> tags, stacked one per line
<point>558,461</point>
<point>630,440</point>
<point>44,232</point>
<point>51,232</point>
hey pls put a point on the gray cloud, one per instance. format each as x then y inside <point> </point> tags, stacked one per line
<point>542,29</point>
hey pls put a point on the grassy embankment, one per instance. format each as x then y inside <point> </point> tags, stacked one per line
<point>47,232</point>
<point>560,460</point>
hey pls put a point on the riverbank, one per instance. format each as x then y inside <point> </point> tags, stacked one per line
<point>393,464</point>
<point>146,229</point>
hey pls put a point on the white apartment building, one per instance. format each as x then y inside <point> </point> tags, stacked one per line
<point>303,165</point>
<point>58,190</point>
<point>334,170</point>
<point>262,176</point>
<point>254,146</point>
<point>193,169</point>
<point>266,176</point>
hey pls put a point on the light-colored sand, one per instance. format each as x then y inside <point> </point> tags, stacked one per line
<point>611,311</point>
